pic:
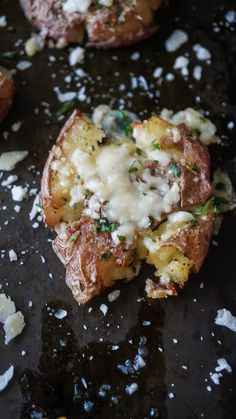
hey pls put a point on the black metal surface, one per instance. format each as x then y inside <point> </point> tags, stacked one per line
<point>58,352</point>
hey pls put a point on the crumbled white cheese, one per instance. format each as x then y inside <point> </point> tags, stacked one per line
<point>104,309</point>
<point>11,179</point>
<point>180,216</point>
<point>223,365</point>
<point>13,326</point>
<point>64,97</point>
<point>3,21</point>
<point>176,39</point>
<point>18,193</point>
<point>194,120</point>
<point>34,44</point>
<point>60,314</point>
<point>35,208</point>
<point>16,126</point>
<point>6,377</point>
<point>135,56</point>
<point>73,6</point>
<point>23,65</point>
<point>9,159</point>
<point>12,255</point>
<point>157,72</point>
<point>197,72</point>
<point>171,395</point>
<point>7,307</point>
<point>225,318</point>
<point>130,389</point>
<point>202,53</point>
<point>112,296</point>
<point>76,56</point>
<point>230,16</point>
<point>181,62</point>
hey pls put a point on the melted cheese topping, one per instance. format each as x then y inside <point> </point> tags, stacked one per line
<point>123,188</point>
<point>193,120</point>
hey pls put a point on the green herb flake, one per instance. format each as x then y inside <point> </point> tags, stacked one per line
<point>106,255</point>
<point>39,206</point>
<point>175,170</point>
<point>93,147</point>
<point>194,168</point>
<point>112,228</point>
<point>96,229</point>
<point>155,145</point>
<point>121,238</point>
<point>87,193</point>
<point>9,54</point>
<point>139,151</point>
<point>125,122</point>
<point>145,193</point>
<point>132,168</point>
<point>73,237</point>
<point>193,223</point>
<point>66,107</point>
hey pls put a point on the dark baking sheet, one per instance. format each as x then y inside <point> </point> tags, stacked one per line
<point>60,353</point>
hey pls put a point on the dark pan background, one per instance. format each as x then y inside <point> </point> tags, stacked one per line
<point>59,353</point>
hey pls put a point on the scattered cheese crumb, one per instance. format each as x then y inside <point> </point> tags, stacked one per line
<point>112,296</point>
<point>13,326</point>
<point>7,307</point>
<point>60,314</point>
<point>18,193</point>
<point>176,39</point>
<point>6,377</point>
<point>225,318</point>
<point>23,65</point>
<point>104,309</point>
<point>3,21</point>
<point>12,255</point>
<point>9,159</point>
<point>201,53</point>
<point>76,56</point>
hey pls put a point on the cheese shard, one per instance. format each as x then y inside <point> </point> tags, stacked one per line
<point>225,318</point>
<point>9,159</point>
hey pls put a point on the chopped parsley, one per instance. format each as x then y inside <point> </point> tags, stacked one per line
<point>194,168</point>
<point>211,205</point>
<point>9,54</point>
<point>193,223</point>
<point>125,122</point>
<point>39,206</point>
<point>87,193</point>
<point>121,238</point>
<point>175,170</point>
<point>104,227</point>
<point>132,168</point>
<point>96,229</point>
<point>66,107</point>
<point>73,237</point>
<point>106,255</point>
<point>139,151</point>
<point>155,146</point>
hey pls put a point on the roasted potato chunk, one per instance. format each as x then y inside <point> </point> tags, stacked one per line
<point>92,261</point>
<point>138,195</point>
<point>113,25</point>
<point>7,89</point>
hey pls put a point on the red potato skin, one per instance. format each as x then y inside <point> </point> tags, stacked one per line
<point>87,273</point>
<point>101,25</point>
<point>194,242</point>
<point>7,90</point>
<point>50,212</point>
<point>193,192</point>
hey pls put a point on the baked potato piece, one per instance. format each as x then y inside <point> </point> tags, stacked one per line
<point>178,248</point>
<point>7,89</point>
<point>144,194</point>
<point>93,262</point>
<point>59,175</point>
<point>104,23</point>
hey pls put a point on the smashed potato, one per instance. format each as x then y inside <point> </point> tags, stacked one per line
<point>142,193</point>
<point>104,23</point>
